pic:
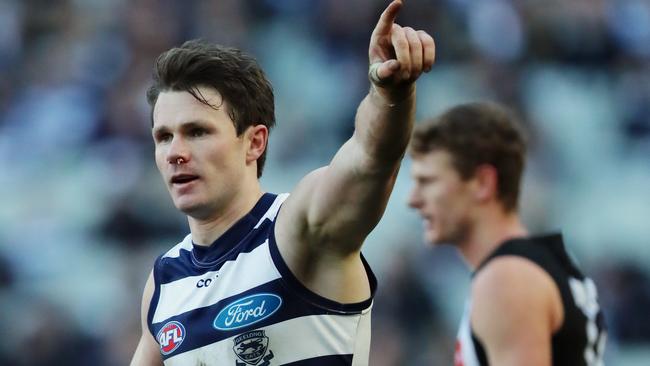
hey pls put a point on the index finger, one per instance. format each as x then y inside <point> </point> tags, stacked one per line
<point>387,18</point>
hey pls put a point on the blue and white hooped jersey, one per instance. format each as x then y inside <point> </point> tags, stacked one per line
<point>237,303</point>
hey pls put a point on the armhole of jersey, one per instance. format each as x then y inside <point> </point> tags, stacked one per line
<point>153,304</point>
<point>479,347</point>
<point>537,258</point>
<point>290,279</point>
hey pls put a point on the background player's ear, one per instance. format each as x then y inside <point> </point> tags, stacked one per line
<point>487,183</point>
<point>257,138</point>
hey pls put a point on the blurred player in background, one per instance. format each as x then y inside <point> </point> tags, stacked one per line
<point>265,279</point>
<point>529,304</point>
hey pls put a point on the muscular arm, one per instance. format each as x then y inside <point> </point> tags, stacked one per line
<point>323,223</point>
<point>340,204</point>
<point>516,309</point>
<point>147,353</point>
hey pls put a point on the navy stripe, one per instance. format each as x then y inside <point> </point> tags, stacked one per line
<point>332,360</point>
<point>208,256</point>
<point>198,323</point>
<point>156,295</point>
<point>300,290</point>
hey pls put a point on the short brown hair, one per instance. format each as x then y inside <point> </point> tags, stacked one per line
<point>235,75</point>
<point>476,134</point>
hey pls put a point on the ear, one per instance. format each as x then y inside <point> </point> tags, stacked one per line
<point>486,183</point>
<point>257,137</point>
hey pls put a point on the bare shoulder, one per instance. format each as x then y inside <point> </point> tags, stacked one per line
<point>510,277</point>
<point>292,221</point>
<point>513,284</point>
<point>292,230</point>
<point>147,294</point>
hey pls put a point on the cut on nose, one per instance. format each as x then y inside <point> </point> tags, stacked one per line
<point>177,152</point>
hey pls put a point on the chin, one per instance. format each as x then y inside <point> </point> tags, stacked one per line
<point>197,210</point>
<point>187,206</point>
<point>431,239</point>
<point>437,239</point>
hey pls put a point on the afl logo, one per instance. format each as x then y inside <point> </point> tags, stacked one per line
<point>170,337</point>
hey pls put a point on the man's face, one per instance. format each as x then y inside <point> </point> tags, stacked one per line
<point>197,150</point>
<point>441,197</point>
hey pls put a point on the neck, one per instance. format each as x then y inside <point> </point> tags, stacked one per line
<point>488,233</point>
<point>206,231</point>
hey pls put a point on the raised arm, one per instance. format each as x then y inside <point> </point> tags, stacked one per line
<point>333,209</point>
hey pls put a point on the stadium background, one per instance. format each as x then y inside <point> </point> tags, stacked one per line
<point>83,212</point>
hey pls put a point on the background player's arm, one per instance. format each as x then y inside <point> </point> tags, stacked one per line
<point>515,311</point>
<point>147,353</point>
<point>334,208</point>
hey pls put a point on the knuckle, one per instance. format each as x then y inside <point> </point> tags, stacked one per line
<point>424,36</point>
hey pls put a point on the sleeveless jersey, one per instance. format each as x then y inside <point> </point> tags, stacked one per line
<point>580,341</point>
<point>243,306</point>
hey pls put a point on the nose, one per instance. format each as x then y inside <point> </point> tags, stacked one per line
<point>414,198</point>
<point>178,152</point>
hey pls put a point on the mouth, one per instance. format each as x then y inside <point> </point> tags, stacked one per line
<point>427,221</point>
<point>181,179</point>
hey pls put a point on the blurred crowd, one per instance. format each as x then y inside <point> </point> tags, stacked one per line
<point>83,212</point>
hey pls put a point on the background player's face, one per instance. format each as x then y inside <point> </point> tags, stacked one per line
<point>206,140</point>
<point>441,197</point>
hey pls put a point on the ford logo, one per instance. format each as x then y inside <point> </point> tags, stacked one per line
<point>246,311</point>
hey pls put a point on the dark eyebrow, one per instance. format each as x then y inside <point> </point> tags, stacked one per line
<point>184,126</point>
<point>193,124</point>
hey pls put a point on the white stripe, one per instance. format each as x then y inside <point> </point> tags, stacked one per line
<point>273,210</point>
<point>467,351</point>
<point>248,270</point>
<point>292,340</point>
<point>362,345</point>
<point>176,250</point>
